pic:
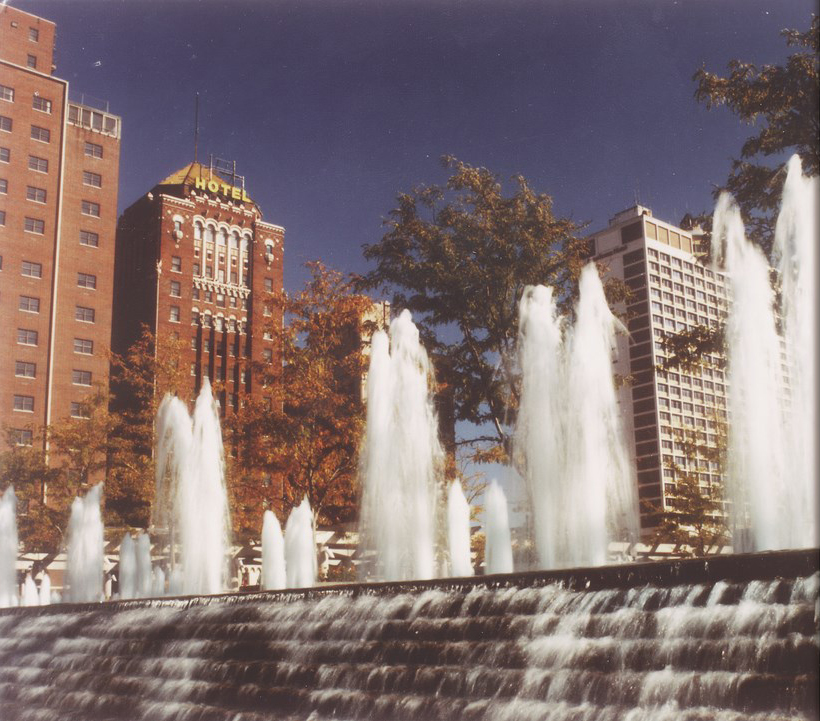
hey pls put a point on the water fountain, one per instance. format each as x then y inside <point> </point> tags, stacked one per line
<point>300,547</point>
<point>458,531</point>
<point>497,543</point>
<point>273,554</point>
<point>127,568</point>
<point>568,438</point>
<point>772,435</point>
<point>45,589</point>
<point>84,553</point>
<point>401,457</point>
<point>191,499</point>
<point>8,548</point>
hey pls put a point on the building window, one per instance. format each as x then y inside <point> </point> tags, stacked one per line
<point>267,355</point>
<point>5,155</point>
<point>37,195</point>
<point>4,186</point>
<point>2,217</point>
<point>269,285</point>
<point>90,239</point>
<point>92,150</point>
<point>39,165</point>
<point>176,289</point>
<point>195,293</point>
<point>41,134</point>
<point>5,123</point>
<point>81,378</point>
<point>176,264</point>
<point>6,93</point>
<point>220,300</point>
<point>174,315</point>
<point>24,369</point>
<point>42,104</point>
<point>34,35</point>
<point>34,225</point>
<point>208,296</point>
<point>91,208</point>
<point>195,268</point>
<point>31,61</point>
<point>83,314</point>
<point>86,280</point>
<point>32,270</point>
<point>78,411</point>
<point>22,437</point>
<point>209,271</point>
<point>92,179</point>
<point>29,304</point>
<point>206,345</point>
<point>193,369</point>
<point>83,346</point>
<point>26,337</point>
<point>194,343</point>
<point>24,403</point>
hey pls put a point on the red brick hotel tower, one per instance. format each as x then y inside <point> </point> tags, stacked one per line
<point>196,261</point>
<point>59,171</point>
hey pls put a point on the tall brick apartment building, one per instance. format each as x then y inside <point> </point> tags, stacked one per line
<point>59,171</point>
<point>195,261</point>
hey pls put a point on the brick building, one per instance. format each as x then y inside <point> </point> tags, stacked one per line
<point>59,172</point>
<point>195,261</point>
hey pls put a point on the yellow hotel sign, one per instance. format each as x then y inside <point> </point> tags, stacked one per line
<point>228,190</point>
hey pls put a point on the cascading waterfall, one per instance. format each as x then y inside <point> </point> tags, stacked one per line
<point>568,438</point>
<point>458,531</point>
<point>300,547</point>
<point>273,554</point>
<point>191,497</point>
<point>498,556</point>
<point>795,253</point>
<point>84,554</point>
<point>401,457</point>
<point>8,548</point>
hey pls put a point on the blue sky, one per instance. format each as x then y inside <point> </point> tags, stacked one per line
<point>331,108</point>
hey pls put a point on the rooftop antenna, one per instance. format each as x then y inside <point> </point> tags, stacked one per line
<point>196,128</point>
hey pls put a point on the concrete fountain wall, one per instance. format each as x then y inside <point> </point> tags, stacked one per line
<point>728,637</point>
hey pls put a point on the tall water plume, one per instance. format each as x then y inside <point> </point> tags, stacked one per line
<point>795,252</point>
<point>300,547</point>
<point>458,531</point>
<point>401,457</point>
<point>192,501</point>
<point>128,568</point>
<point>569,441</point>
<point>8,548</point>
<point>497,541</point>
<point>45,589</point>
<point>273,554</point>
<point>770,472</point>
<point>84,554</point>
<point>30,596</point>
<point>142,555</point>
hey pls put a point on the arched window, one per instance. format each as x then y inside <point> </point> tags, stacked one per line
<point>220,237</point>
<point>234,240</point>
<point>209,234</point>
<point>197,231</point>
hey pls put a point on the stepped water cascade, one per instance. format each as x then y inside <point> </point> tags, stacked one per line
<point>568,437</point>
<point>8,548</point>
<point>191,498</point>
<point>728,639</point>
<point>273,554</point>
<point>772,473</point>
<point>400,458</point>
<point>84,551</point>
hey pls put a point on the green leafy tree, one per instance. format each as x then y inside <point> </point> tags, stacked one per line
<point>458,257</point>
<point>781,101</point>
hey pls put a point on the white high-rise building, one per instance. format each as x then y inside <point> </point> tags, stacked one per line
<point>665,411</point>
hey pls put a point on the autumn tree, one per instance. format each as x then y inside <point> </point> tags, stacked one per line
<point>140,378</point>
<point>305,435</point>
<point>458,257</point>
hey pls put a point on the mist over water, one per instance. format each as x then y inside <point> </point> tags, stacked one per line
<point>569,440</point>
<point>400,457</point>
<point>771,473</point>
